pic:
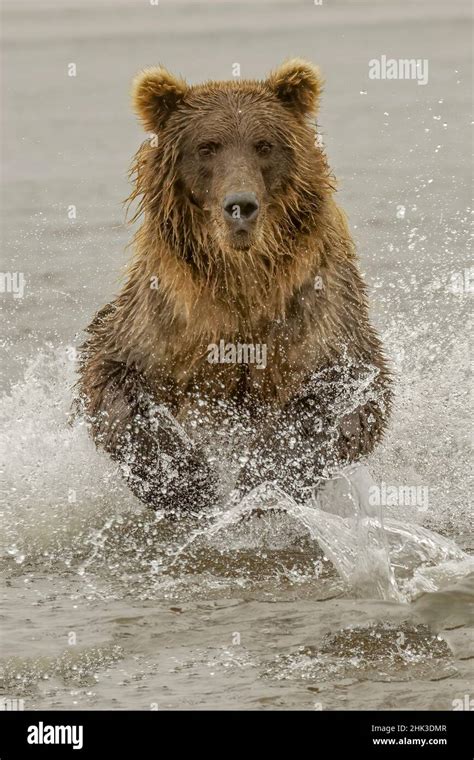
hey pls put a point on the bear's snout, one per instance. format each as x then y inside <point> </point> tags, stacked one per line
<point>240,210</point>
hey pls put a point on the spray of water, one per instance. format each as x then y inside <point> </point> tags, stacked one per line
<point>62,500</point>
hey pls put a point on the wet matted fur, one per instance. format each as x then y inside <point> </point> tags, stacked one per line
<point>290,283</point>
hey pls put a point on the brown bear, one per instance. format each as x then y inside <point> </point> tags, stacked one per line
<point>239,349</point>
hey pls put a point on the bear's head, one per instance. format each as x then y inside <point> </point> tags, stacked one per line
<point>232,170</point>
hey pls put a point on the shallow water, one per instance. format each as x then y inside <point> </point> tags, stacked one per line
<point>108,604</point>
<point>331,605</point>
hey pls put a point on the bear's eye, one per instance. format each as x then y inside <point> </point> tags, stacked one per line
<point>208,149</point>
<point>263,147</point>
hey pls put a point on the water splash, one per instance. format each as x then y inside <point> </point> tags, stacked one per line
<point>64,502</point>
<point>374,557</point>
<point>56,486</point>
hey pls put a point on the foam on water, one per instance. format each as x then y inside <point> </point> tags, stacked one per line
<point>62,500</point>
<point>56,485</point>
<point>377,558</point>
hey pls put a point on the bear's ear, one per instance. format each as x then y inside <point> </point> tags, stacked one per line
<point>298,84</point>
<point>155,95</point>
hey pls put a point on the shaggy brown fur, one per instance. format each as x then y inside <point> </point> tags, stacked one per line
<point>287,278</point>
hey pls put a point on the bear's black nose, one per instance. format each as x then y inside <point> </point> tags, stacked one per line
<point>240,206</point>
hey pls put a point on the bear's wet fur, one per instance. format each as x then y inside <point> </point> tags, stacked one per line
<point>241,241</point>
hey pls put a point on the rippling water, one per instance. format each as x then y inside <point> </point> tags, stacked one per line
<point>327,605</point>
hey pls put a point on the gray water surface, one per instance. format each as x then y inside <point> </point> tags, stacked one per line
<point>106,605</point>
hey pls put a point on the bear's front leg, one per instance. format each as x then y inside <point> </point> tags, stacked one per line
<point>163,467</point>
<point>337,418</point>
